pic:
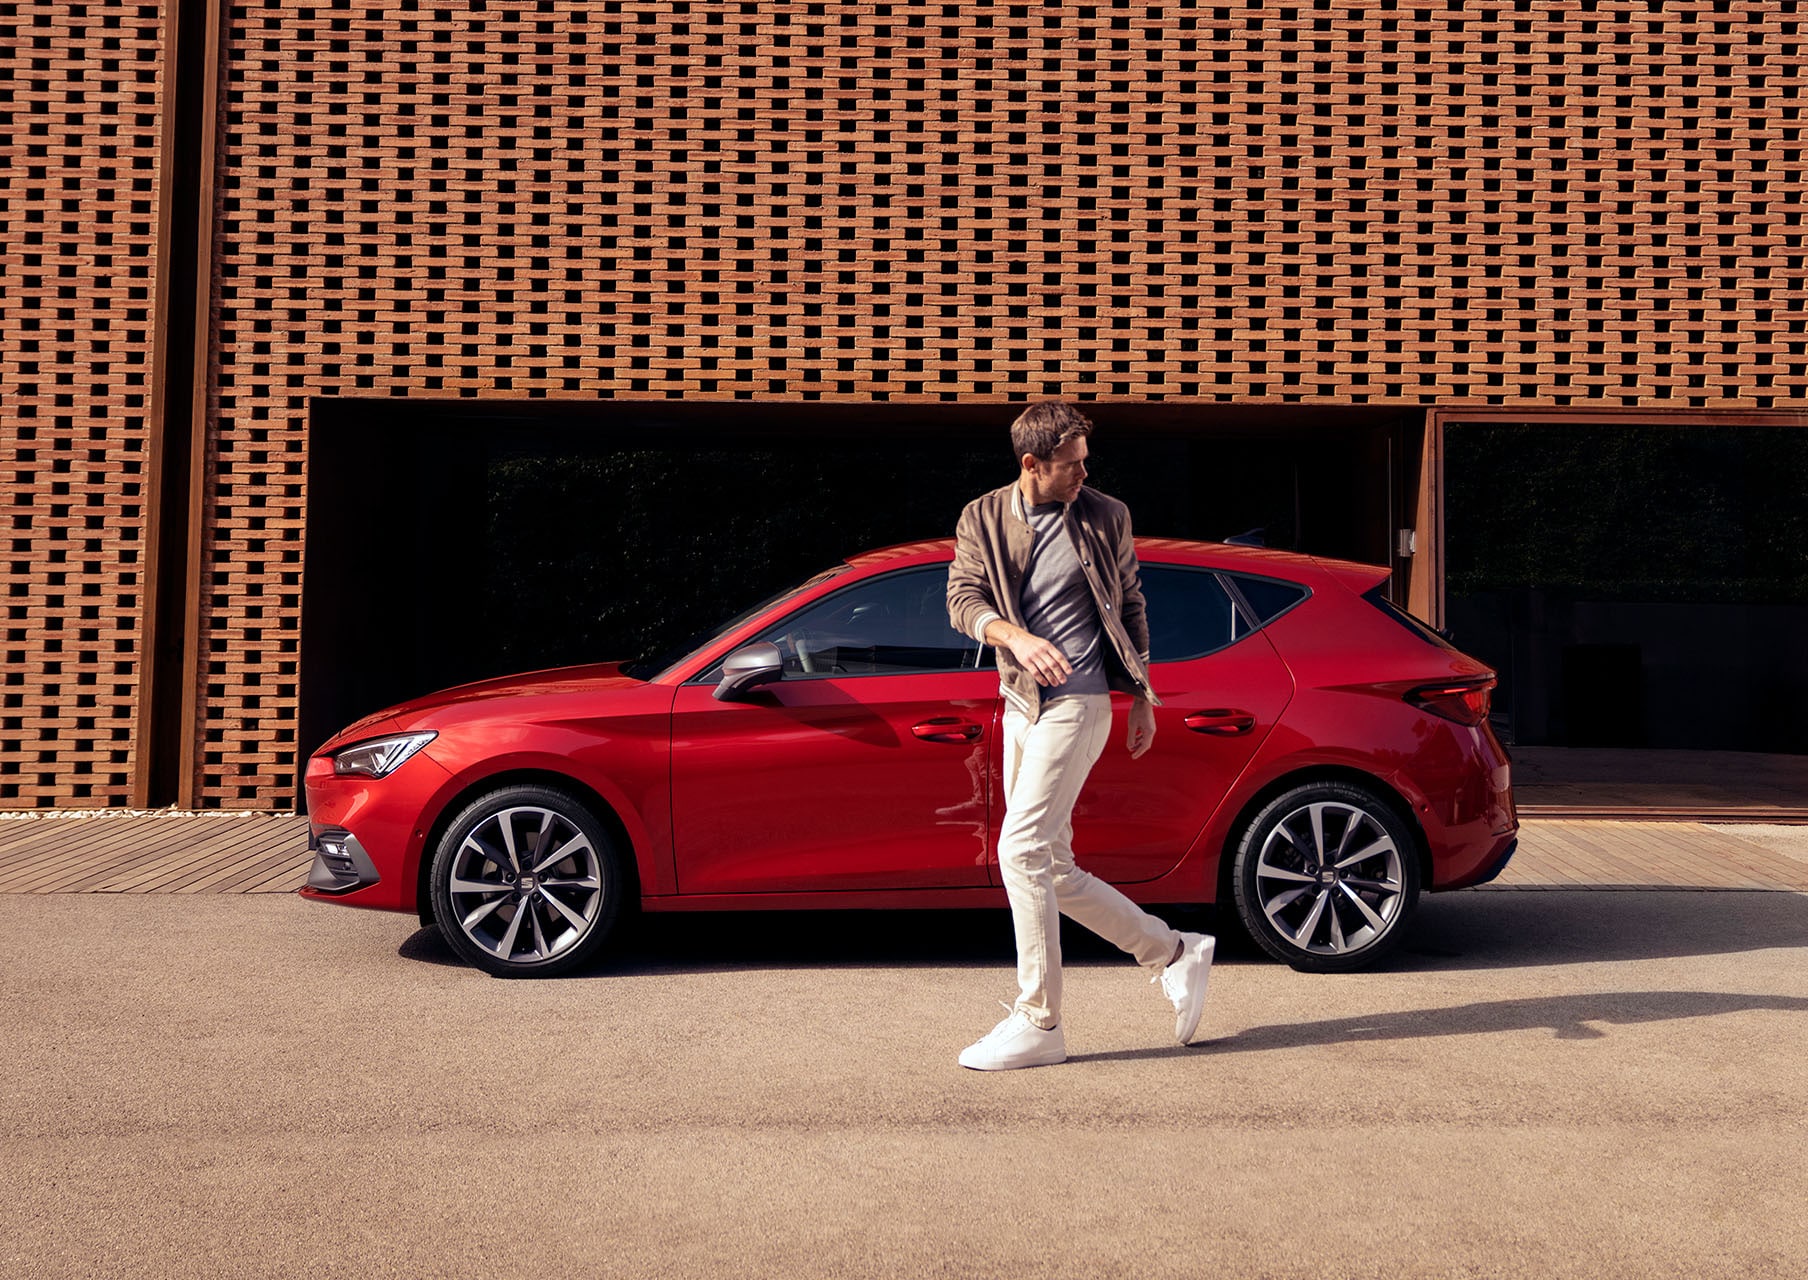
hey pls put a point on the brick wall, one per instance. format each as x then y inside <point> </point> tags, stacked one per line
<point>1415,203</point>
<point>79,136</point>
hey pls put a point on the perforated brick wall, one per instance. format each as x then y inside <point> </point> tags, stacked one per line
<point>1599,204</point>
<point>79,133</point>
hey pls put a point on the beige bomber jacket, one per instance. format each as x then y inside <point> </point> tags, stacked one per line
<point>991,555</point>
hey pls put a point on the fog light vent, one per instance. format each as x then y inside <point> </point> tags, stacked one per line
<point>340,863</point>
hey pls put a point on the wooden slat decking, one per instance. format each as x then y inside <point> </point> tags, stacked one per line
<point>261,853</point>
<point>153,853</point>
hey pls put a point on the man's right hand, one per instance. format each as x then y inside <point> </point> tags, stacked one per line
<point>1037,656</point>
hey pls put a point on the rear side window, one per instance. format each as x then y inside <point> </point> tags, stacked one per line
<point>1190,614</point>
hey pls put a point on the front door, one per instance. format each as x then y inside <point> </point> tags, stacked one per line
<point>864,768</point>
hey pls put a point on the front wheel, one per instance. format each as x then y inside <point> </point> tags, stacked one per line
<point>1326,877</point>
<point>526,883</point>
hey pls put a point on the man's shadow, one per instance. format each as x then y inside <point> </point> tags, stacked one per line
<point>1572,1017</point>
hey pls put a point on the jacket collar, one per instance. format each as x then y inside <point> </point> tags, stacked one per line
<point>1021,510</point>
<point>1071,511</point>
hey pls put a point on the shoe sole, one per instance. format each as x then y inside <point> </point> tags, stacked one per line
<point>1044,1060</point>
<point>1054,1061</point>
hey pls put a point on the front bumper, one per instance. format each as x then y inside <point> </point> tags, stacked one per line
<point>367,833</point>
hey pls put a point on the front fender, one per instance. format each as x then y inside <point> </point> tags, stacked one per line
<point>632,779</point>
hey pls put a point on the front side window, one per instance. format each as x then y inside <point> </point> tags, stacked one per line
<point>892,625</point>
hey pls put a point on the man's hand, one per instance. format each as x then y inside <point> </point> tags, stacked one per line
<point>1142,728</point>
<point>1038,657</point>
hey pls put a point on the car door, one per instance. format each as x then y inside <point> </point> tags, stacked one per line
<point>863,768</point>
<point>1222,688</point>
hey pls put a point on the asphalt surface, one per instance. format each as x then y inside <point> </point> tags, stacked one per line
<point>1545,1084</point>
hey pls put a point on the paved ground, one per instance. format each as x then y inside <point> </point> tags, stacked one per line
<point>1546,1084</point>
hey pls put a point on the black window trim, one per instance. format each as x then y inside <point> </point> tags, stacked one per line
<point>790,677</point>
<point>1249,613</point>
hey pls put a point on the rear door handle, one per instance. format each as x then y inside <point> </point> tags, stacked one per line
<point>1221,722</point>
<point>948,729</point>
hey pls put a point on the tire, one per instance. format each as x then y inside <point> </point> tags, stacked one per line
<point>1326,877</point>
<point>511,912</point>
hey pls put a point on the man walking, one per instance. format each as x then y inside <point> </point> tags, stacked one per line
<point>1045,572</point>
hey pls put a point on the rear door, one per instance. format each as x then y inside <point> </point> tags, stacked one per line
<point>1222,688</point>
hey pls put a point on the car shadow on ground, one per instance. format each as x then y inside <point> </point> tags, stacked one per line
<point>1452,932</point>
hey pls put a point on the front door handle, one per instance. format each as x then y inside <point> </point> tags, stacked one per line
<point>1221,722</point>
<point>947,729</point>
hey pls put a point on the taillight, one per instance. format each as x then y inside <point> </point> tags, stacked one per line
<point>1464,701</point>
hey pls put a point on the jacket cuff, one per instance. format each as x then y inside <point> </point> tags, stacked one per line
<point>985,620</point>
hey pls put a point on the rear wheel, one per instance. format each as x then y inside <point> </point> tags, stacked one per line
<point>1326,877</point>
<point>526,883</point>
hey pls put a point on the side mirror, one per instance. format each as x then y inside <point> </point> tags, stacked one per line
<point>747,668</point>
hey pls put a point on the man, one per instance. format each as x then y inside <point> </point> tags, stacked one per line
<point>1045,572</point>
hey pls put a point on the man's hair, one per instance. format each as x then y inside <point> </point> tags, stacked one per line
<point>1047,425</point>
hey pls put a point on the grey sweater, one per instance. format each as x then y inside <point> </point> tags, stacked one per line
<point>1058,605</point>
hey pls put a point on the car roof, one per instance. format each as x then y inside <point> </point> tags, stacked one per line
<point>1261,561</point>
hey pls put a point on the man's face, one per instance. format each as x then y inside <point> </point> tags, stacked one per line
<point>1061,477</point>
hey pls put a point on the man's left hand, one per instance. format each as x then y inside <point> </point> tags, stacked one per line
<point>1142,728</point>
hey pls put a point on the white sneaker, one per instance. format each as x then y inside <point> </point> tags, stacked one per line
<point>1015,1042</point>
<point>1183,982</point>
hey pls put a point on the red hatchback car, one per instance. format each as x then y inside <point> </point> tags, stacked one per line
<point>1321,757</point>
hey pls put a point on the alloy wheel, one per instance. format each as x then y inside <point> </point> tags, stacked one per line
<point>1329,879</point>
<point>526,885</point>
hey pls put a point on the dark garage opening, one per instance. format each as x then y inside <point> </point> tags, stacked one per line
<point>451,542</point>
<point>1639,585</point>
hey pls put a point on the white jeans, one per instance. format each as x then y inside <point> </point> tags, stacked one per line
<point>1045,765</point>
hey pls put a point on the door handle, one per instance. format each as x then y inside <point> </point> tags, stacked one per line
<point>947,729</point>
<point>1220,722</point>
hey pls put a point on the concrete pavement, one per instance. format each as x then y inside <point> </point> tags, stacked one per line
<point>1543,1084</point>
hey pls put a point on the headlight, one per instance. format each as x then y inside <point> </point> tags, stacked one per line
<point>379,757</point>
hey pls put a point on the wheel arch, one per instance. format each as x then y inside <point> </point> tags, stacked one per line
<point>604,811</point>
<point>1303,776</point>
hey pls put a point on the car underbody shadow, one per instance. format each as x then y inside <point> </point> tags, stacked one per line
<point>1452,932</point>
<point>1525,929</point>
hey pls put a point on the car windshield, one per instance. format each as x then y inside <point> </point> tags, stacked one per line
<point>656,664</point>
